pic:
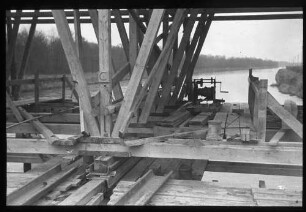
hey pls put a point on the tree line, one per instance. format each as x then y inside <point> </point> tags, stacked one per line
<point>47,56</point>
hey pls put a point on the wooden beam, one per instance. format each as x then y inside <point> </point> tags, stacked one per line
<point>139,68</point>
<point>160,65</point>
<point>284,153</point>
<point>27,49</point>
<point>284,115</point>
<point>143,190</point>
<point>196,55</point>
<point>122,32</point>
<point>36,181</point>
<point>117,91</point>
<point>83,194</point>
<point>177,61</point>
<point>104,75</point>
<point>121,73</point>
<point>79,52</point>
<point>41,128</point>
<point>14,109</point>
<point>188,58</point>
<point>133,39</point>
<point>12,43</point>
<point>76,69</point>
<point>262,109</point>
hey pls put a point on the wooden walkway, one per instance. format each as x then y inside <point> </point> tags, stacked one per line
<point>198,193</point>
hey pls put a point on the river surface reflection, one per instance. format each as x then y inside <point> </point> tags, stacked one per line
<point>236,83</point>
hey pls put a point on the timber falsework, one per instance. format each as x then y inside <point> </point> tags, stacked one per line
<point>144,144</point>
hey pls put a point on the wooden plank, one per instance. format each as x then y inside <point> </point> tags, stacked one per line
<point>12,43</point>
<point>13,107</point>
<point>25,158</point>
<point>254,168</point>
<point>133,47</point>
<point>160,65</point>
<point>291,203</point>
<point>121,171</point>
<point>96,200</point>
<point>41,128</point>
<point>83,194</point>
<point>38,191</point>
<point>104,75</point>
<point>173,148</point>
<point>286,116</point>
<point>31,184</point>
<point>240,180</point>
<point>200,119</point>
<point>139,142</point>
<point>262,110</point>
<point>122,32</point>
<point>139,68</point>
<point>121,73</point>
<point>76,69</point>
<point>27,49</point>
<point>138,170</point>
<point>143,190</point>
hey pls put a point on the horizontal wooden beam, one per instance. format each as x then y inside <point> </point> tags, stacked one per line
<point>254,168</point>
<point>216,18</point>
<point>174,148</point>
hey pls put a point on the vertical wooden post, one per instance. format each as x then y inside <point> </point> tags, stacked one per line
<point>262,109</point>
<point>27,51</point>
<point>63,88</point>
<point>251,95</point>
<point>104,75</point>
<point>139,67</point>
<point>12,43</point>
<point>36,89</point>
<point>133,38</point>
<point>76,69</point>
<point>79,52</point>
<point>122,32</point>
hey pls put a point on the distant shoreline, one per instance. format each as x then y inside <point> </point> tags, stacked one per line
<point>212,70</point>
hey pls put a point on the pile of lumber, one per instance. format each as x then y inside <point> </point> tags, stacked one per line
<point>200,119</point>
<point>175,119</point>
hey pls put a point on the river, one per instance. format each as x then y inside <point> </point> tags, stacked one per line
<point>236,83</point>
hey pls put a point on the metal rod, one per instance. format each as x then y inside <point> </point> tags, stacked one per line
<point>38,117</point>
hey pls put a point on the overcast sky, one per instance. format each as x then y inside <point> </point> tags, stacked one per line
<point>279,40</point>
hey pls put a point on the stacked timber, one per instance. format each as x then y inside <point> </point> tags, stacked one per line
<point>200,119</point>
<point>175,119</point>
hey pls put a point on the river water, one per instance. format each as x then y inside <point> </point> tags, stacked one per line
<point>236,83</point>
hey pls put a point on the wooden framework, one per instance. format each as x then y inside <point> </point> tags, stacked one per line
<point>108,119</point>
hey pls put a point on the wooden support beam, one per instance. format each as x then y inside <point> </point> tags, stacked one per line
<point>36,181</point>
<point>12,37</point>
<point>159,67</point>
<point>104,75</point>
<point>188,58</point>
<point>27,50</point>
<point>121,73</point>
<point>76,70</point>
<point>284,115</point>
<point>262,109</point>
<point>117,91</point>
<point>83,194</point>
<point>139,68</point>
<point>122,32</point>
<point>177,61</point>
<point>143,190</point>
<point>195,57</point>
<point>14,109</point>
<point>285,153</point>
<point>133,39</point>
<point>47,133</point>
